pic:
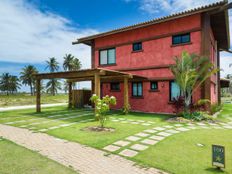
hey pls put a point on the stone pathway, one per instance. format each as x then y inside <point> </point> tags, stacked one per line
<point>31,106</point>
<point>83,159</point>
<point>149,137</point>
<point>130,121</point>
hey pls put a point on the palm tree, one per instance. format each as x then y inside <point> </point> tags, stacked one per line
<point>190,71</point>
<point>14,84</point>
<point>5,82</point>
<point>52,64</point>
<point>68,62</point>
<point>52,85</point>
<point>27,77</point>
<point>9,83</point>
<point>76,64</point>
<point>71,63</point>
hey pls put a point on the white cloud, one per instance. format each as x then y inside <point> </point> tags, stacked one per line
<point>29,35</point>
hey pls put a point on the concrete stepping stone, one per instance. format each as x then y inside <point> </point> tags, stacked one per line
<point>182,129</point>
<point>115,120</point>
<point>152,122</point>
<point>169,127</point>
<point>124,121</point>
<point>190,124</point>
<point>133,138</point>
<point>128,153</point>
<point>23,126</point>
<point>155,137</point>
<point>172,131</point>
<point>205,127</point>
<point>150,131</point>
<point>141,134</point>
<point>201,124</point>
<point>149,142</point>
<point>146,124</point>
<point>111,148</point>
<point>121,118</point>
<point>43,130</point>
<point>54,127</point>
<point>213,124</point>
<point>130,120</point>
<point>217,127</point>
<point>164,134</point>
<point>178,125</point>
<point>134,122</point>
<point>228,127</point>
<point>159,128</point>
<point>139,147</point>
<point>121,143</point>
<point>223,124</point>
<point>192,127</point>
<point>141,121</point>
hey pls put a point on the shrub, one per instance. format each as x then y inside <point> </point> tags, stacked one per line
<point>102,107</point>
<point>202,105</point>
<point>197,116</point>
<point>215,108</point>
<point>179,104</point>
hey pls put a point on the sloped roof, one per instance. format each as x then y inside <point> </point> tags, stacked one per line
<point>214,6</point>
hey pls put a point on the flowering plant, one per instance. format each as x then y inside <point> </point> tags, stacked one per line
<point>102,106</point>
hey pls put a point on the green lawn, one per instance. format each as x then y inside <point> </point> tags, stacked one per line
<point>177,153</point>
<point>26,99</point>
<point>15,159</point>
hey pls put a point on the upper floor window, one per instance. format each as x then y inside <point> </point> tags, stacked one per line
<point>174,90</point>
<point>115,86</point>
<point>180,39</point>
<point>137,89</point>
<point>107,57</point>
<point>154,85</point>
<point>137,46</point>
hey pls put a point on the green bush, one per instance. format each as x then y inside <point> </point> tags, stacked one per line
<point>197,116</point>
<point>215,108</point>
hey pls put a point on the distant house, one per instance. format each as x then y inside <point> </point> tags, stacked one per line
<point>147,50</point>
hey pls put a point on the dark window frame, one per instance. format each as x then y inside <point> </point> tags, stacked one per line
<point>170,92</point>
<point>156,86</point>
<point>140,47</point>
<point>115,83</point>
<point>181,39</point>
<point>138,96</point>
<point>99,55</point>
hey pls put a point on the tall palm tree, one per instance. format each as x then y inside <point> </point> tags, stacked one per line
<point>68,62</point>
<point>9,83</point>
<point>52,85</point>
<point>14,84</point>
<point>27,77</point>
<point>76,64</point>
<point>52,64</point>
<point>5,82</point>
<point>190,71</point>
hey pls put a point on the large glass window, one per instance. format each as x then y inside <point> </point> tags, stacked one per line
<point>182,38</point>
<point>137,89</point>
<point>107,57</point>
<point>174,90</point>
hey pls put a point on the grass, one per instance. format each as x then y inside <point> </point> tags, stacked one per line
<point>17,159</point>
<point>27,99</point>
<point>176,154</point>
<point>180,154</point>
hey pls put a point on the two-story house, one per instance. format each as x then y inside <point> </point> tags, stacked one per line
<point>148,49</point>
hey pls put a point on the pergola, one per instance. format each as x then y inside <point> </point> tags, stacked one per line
<point>96,75</point>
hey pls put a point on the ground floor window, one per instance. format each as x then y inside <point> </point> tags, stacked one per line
<point>115,86</point>
<point>174,90</point>
<point>137,89</point>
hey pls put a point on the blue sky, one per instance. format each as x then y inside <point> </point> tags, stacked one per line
<point>33,30</point>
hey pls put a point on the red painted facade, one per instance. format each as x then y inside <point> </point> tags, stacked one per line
<point>158,52</point>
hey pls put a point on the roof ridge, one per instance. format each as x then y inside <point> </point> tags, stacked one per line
<point>158,19</point>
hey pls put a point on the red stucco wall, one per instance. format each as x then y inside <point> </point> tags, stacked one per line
<point>155,53</point>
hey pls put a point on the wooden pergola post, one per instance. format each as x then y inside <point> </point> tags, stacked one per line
<point>97,86</point>
<point>126,95</point>
<point>70,94</point>
<point>38,103</point>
